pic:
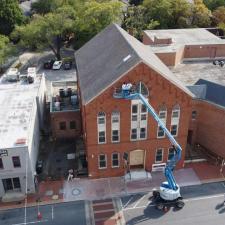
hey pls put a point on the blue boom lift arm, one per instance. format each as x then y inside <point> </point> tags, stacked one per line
<point>177,148</point>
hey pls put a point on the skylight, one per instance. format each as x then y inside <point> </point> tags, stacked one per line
<point>126,58</point>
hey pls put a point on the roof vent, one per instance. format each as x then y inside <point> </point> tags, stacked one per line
<point>126,58</point>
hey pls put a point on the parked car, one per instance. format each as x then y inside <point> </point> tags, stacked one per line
<point>48,64</point>
<point>39,166</point>
<point>67,65</point>
<point>57,65</point>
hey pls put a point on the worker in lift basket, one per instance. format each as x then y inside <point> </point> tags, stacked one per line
<point>126,89</point>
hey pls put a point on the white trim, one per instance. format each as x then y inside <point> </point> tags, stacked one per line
<point>158,167</point>
<point>101,127</point>
<point>168,153</point>
<point>171,129</point>
<point>164,121</point>
<point>99,136</point>
<point>157,162</point>
<point>115,126</point>
<point>118,154</point>
<point>102,168</point>
<point>112,136</point>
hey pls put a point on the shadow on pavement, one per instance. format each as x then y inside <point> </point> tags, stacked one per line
<point>149,214</point>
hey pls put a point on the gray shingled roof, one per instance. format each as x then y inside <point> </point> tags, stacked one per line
<point>198,90</point>
<point>214,92</point>
<point>100,61</point>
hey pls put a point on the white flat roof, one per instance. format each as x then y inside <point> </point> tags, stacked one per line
<point>190,72</point>
<point>16,105</point>
<point>182,37</point>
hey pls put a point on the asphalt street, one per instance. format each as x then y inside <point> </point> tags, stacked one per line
<point>72,213</point>
<point>203,205</point>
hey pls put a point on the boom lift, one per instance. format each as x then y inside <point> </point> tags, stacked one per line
<point>169,192</point>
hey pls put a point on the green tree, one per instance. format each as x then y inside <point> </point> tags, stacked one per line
<point>201,14</point>
<point>136,20</point>
<point>6,49</point>
<point>135,2</point>
<point>219,15</point>
<point>10,15</point>
<point>169,13</point>
<point>93,16</point>
<point>52,30</point>
<point>159,10</point>
<point>213,4</point>
<point>180,14</point>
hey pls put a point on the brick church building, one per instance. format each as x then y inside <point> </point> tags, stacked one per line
<point>116,128</point>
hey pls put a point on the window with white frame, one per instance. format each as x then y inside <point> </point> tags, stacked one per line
<point>173,130</point>
<point>139,116</point>
<point>162,116</point>
<point>115,159</point>
<point>175,120</point>
<point>159,155</point>
<point>142,133</point>
<point>134,134</point>
<point>115,123</point>
<point>102,161</point>
<point>171,153</point>
<point>101,137</point>
<point>141,88</point>
<point>101,123</point>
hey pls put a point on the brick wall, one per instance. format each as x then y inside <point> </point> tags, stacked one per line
<point>67,117</point>
<point>161,92</point>
<point>209,127</point>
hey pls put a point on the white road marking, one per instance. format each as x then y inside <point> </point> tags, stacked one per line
<point>32,222</point>
<point>139,201</point>
<point>185,200</point>
<point>131,198</point>
<point>52,213</point>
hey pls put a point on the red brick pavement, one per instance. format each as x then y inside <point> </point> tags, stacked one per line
<point>206,171</point>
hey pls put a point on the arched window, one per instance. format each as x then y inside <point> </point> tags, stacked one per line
<point>101,118</point>
<point>162,116</point>
<point>115,118</point>
<point>142,88</point>
<point>176,111</point>
<point>175,117</point>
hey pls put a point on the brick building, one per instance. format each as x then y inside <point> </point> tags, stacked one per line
<point>65,110</point>
<point>113,127</point>
<point>175,45</point>
<point>191,55</point>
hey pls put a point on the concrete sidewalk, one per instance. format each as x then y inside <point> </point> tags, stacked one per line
<point>93,189</point>
<point>50,192</point>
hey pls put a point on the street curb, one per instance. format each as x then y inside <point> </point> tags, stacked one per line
<point>32,204</point>
<point>206,181</point>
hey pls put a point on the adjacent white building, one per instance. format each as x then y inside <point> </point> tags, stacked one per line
<point>21,112</point>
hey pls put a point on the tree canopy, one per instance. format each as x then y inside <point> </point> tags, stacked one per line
<point>136,20</point>
<point>52,31</point>
<point>66,23</point>
<point>213,4</point>
<point>10,15</point>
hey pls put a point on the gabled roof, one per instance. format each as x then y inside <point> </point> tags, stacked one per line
<point>111,54</point>
<point>214,92</point>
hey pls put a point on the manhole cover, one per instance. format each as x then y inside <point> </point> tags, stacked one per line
<point>59,169</point>
<point>76,192</point>
<point>58,160</point>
